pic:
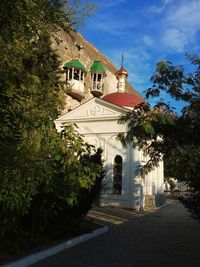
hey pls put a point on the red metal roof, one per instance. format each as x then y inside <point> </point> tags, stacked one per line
<point>123,99</point>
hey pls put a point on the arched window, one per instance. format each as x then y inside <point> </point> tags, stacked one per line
<point>117,175</point>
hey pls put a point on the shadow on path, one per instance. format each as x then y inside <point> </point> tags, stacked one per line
<point>166,237</point>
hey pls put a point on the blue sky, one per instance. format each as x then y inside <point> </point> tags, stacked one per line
<point>145,31</point>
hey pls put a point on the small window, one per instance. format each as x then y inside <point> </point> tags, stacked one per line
<point>69,74</point>
<point>76,74</point>
<point>117,175</point>
<point>82,75</point>
<point>99,77</point>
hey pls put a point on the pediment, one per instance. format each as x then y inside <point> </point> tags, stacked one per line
<point>94,109</point>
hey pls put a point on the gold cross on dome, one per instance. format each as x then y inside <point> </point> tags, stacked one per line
<point>122,64</point>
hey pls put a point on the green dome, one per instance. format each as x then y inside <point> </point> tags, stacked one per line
<point>75,63</point>
<point>97,67</point>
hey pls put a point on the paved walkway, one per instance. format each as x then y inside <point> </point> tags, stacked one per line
<point>168,237</point>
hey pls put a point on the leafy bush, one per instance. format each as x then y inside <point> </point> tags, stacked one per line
<point>192,202</point>
<point>64,193</point>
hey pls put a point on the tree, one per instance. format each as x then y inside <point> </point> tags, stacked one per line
<point>159,131</point>
<point>30,84</point>
<point>39,168</point>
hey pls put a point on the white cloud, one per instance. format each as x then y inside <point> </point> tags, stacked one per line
<point>114,26</point>
<point>177,30</point>
<point>148,41</point>
<point>175,39</point>
<point>113,3</point>
<point>186,17</point>
<point>160,9</point>
<point>181,25</point>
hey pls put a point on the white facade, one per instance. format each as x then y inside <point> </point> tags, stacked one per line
<point>97,120</point>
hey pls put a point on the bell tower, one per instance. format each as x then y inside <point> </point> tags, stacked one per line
<point>121,76</point>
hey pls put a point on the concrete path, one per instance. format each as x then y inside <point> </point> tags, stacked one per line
<point>168,237</point>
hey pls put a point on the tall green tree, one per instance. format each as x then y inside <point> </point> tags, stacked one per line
<point>159,131</point>
<point>29,73</point>
<point>38,166</point>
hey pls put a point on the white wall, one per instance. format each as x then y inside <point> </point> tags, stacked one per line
<point>98,122</point>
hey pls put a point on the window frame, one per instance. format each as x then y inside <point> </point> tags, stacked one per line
<point>117,174</point>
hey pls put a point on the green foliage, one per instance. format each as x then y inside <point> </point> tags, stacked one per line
<point>58,180</point>
<point>160,132</point>
<point>25,19</point>
<point>77,10</point>
<point>90,195</point>
<point>41,173</point>
<point>60,192</point>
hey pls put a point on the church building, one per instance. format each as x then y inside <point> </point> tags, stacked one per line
<point>96,96</point>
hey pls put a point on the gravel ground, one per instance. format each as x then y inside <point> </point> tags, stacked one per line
<point>166,237</point>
